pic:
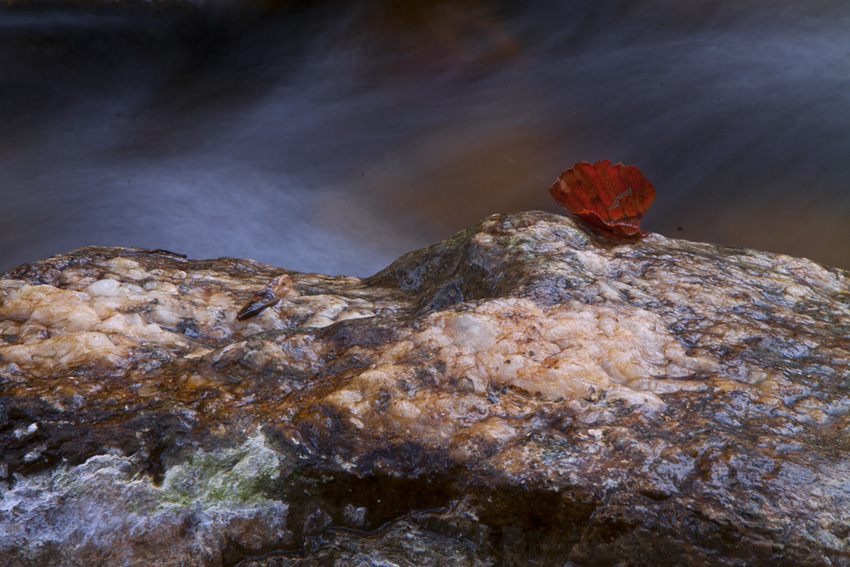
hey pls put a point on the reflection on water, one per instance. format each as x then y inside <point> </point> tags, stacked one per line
<point>324,137</point>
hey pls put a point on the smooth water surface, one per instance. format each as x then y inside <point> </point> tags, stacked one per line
<point>331,137</point>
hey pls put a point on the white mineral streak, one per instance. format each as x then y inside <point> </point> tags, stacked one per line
<point>564,352</point>
<point>63,328</point>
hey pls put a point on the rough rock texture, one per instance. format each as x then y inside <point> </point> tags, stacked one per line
<point>525,391</point>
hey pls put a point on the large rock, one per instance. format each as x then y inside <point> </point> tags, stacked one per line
<point>526,391</point>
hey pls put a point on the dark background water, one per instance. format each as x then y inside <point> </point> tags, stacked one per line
<point>331,137</point>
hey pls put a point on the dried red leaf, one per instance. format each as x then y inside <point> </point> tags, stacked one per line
<point>609,197</point>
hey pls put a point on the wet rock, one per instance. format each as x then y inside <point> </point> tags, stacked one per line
<point>525,391</point>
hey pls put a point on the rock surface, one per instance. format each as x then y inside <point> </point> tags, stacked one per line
<point>525,391</point>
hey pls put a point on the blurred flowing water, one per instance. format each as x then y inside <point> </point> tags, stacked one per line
<point>334,136</point>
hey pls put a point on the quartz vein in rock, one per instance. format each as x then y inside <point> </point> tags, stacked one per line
<point>526,390</point>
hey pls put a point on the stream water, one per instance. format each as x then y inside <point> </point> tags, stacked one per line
<point>334,136</point>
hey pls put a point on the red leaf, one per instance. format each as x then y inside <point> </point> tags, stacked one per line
<point>609,197</point>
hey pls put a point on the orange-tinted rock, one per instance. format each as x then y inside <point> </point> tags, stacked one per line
<point>524,391</point>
